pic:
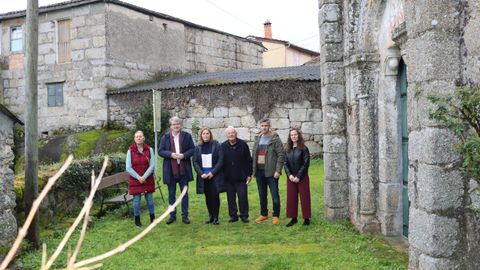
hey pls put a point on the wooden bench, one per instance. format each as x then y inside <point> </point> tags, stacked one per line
<point>119,182</point>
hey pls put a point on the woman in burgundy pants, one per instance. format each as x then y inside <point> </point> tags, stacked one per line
<point>297,160</point>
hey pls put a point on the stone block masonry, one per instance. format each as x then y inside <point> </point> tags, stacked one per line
<point>8,223</point>
<point>236,105</point>
<point>112,45</point>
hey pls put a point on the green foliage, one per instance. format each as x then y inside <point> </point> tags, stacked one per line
<point>145,123</point>
<point>460,112</point>
<point>195,128</point>
<point>77,178</point>
<point>87,142</point>
<point>322,245</point>
<point>18,141</point>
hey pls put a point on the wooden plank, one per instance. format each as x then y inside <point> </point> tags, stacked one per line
<point>112,180</point>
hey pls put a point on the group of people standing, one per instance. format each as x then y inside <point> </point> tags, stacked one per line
<point>226,167</point>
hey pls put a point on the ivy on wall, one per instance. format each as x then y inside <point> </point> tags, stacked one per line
<point>460,112</point>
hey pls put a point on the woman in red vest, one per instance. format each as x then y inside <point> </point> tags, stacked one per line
<point>140,164</point>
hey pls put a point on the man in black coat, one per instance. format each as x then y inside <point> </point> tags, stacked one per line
<point>238,171</point>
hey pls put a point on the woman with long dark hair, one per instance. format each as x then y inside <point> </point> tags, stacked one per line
<point>208,162</point>
<point>297,160</point>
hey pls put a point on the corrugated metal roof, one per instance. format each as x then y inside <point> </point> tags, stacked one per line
<point>300,73</point>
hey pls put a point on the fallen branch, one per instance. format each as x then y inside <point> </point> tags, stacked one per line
<point>36,204</point>
<point>78,219</point>
<point>139,236</point>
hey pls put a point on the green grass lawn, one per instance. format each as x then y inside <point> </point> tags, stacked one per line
<point>322,245</point>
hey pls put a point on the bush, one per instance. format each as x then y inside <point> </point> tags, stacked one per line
<point>145,123</point>
<point>77,177</point>
<point>70,190</point>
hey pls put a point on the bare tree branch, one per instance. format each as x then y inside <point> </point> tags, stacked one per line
<point>125,245</point>
<point>78,219</point>
<point>33,211</point>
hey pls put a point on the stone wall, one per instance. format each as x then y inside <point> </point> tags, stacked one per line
<point>239,105</point>
<point>113,46</point>
<point>211,51</point>
<point>140,47</point>
<point>83,78</point>
<point>471,65</point>
<point>8,223</point>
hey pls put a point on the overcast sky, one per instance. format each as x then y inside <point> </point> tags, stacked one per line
<point>292,20</point>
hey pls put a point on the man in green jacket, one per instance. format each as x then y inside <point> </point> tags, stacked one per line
<point>268,158</point>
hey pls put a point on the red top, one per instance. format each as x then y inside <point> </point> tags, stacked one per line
<point>140,163</point>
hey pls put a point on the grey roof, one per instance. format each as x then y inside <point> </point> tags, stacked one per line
<point>76,3</point>
<point>299,73</point>
<point>8,113</point>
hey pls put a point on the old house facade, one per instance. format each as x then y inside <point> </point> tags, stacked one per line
<point>389,168</point>
<point>290,97</point>
<point>8,223</point>
<point>282,53</point>
<point>89,46</point>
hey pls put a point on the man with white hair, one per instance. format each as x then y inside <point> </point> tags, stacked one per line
<point>238,171</point>
<point>177,148</point>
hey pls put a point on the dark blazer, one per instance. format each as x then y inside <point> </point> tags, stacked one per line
<point>217,170</point>
<point>297,162</point>
<point>238,161</point>
<point>165,152</point>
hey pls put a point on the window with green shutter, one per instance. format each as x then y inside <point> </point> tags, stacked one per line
<point>55,94</point>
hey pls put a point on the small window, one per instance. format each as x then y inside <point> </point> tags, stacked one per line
<point>63,42</point>
<point>55,94</point>
<point>16,39</point>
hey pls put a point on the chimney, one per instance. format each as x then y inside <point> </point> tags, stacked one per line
<point>267,27</point>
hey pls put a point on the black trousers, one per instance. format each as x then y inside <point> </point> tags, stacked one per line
<point>240,189</point>
<point>212,198</point>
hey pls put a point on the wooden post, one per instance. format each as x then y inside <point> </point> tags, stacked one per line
<point>31,117</point>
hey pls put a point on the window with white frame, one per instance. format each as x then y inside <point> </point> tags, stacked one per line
<point>55,94</point>
<point>16,38</point>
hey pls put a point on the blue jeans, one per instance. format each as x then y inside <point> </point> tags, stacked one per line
<point>272,183</point>
<point>136,203</point>
<point>172,190</point>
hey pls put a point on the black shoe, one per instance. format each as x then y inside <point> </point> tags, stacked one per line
<point>233,219</point>
<point>137,221</point>
<point>210,220</point>
<point>152,218</point>
<point>245,219</point>
<point>292,222</point>
<point>186,220</point>
<point>215,221</point>
<point>306,222</point>
<point>171,220</point>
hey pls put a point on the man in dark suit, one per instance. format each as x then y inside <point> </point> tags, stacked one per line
<point>177,148</point>
<point>237,170</point>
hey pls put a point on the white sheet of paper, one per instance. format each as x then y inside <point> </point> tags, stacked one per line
<point>207,160</point>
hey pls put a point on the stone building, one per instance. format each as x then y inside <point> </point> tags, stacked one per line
<point>389,168</point>
<point>8,223</point>
<point>290,97</point>
<point>89,46</point>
